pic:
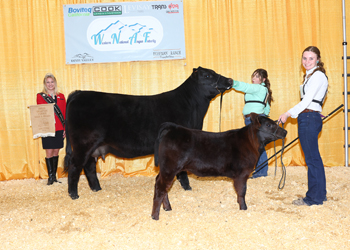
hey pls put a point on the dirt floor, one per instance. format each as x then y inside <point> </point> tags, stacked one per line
<point>36,216</point>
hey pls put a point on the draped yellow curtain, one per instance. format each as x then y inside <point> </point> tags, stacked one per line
<point>231,37</point>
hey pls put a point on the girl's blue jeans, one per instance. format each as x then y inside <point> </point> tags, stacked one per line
<point>309,127</point>
<point>263,157</point>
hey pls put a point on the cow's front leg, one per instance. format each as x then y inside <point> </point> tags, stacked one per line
<point>166,203</point>
<point>73,179</point>
<point>183,179</point>
<point>91,176</point>
<point>240,185</point>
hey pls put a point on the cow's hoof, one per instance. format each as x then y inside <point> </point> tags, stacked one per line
<point>187,188</point>
<point>155,217</point>
<point>167,209</point>
<point>96,190</point>
<point>74,196</point>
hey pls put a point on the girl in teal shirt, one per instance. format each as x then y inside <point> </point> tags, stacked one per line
<point>258,97</point>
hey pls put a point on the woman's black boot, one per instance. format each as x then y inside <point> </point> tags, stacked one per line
<point>50,171</point>
<point>55,164</point>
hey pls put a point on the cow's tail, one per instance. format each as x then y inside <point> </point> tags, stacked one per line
<point>163,129</point>
<point>67,158</point>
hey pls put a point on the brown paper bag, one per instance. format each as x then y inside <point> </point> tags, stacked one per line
<point>42,118</point>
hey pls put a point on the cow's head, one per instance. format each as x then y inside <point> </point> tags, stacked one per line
<point>212,81</point>
<point>268,130</point>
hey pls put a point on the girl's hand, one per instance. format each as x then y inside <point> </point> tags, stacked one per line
<point>64,134</point>
<point>283,118</point>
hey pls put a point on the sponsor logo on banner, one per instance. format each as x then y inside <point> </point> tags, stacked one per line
<point>79,12</point>
<point>137,8</point>
<point>173,9</point>
<point>125,33</point>
<point>107,10</point>
<point>159,6</point>
<point>82,58</point>
<point>167,54</point>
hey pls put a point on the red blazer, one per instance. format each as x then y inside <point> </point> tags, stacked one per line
<point>61,102</point>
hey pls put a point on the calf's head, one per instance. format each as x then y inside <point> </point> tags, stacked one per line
<point>211,81</point>
<point>268,130</point>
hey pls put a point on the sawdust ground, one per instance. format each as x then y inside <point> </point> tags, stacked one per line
<point>36,216</point>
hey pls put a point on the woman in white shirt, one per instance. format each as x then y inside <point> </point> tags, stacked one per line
<point>313,92</point>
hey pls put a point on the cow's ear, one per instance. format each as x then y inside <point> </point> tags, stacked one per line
<point>255,118</point>
<point>194,74</point>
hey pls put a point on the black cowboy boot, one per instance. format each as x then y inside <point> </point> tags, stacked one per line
<point>54,164</point>
<point>50,171</point>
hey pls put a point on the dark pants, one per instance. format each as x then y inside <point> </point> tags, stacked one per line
<point>309,127</point>
<point>262,158</point>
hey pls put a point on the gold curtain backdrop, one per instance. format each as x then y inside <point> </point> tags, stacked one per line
<point>231,37</point>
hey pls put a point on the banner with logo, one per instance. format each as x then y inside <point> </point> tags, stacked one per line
<point>124,31</point>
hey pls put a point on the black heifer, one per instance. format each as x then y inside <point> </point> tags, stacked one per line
<point>127,126</point>
<point>233,154</point>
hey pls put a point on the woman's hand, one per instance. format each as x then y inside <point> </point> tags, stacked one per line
<point>283,118</point>
<point>64,134</point>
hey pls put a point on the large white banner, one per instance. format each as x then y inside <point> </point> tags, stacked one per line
<point>124,31</point>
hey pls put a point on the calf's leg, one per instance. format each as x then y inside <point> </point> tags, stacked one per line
<point>157,199</point>
<point>183,179</point>
<point>166,203</point>
<point>161,196</point>
<point>90,172</point>
<point>240,185</point>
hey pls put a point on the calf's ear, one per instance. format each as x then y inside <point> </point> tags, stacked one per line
<point>194,74</point>
<point>255,118</point>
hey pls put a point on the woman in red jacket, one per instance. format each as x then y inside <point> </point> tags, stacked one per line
<point>52,145</point>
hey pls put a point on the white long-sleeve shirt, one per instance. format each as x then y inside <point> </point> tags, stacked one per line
<point>315,89</point>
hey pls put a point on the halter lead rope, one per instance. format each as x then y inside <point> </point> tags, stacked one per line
<point>220,111</point>
<point>221,93</point>
<point>284,172</point>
